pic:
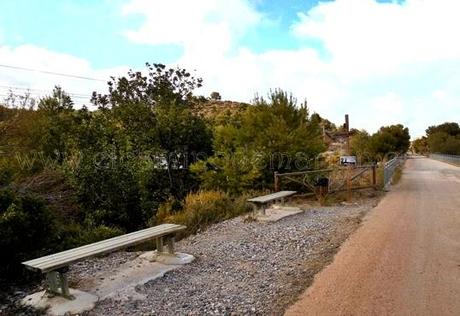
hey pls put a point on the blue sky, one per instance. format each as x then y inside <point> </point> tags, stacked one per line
<point>92,29</point>
<point>88,29</point>
<point>383,62</point>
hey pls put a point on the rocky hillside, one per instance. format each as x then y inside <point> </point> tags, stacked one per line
<point>213,109</point>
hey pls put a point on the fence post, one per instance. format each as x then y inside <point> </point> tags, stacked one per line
<point>349,183</point>
<point>374,175</point>
<point>276,181</point>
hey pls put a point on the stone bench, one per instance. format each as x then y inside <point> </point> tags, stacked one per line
<point>261,202</point>
<point>55,265</point>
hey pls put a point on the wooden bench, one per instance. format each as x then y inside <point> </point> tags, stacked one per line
<point>56,265</point>
<point>260,202</point>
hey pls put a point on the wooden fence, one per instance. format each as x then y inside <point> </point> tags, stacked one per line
<point>324,181</point>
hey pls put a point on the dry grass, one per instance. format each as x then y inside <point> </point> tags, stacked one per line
<point>397,175</point>
<point>202,209</point>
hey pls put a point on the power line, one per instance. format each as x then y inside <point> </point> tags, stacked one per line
<point>41,91</point>
<point>38,94</point>
<point>52,73</point>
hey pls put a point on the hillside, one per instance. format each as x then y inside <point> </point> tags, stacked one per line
<point>211,109</point>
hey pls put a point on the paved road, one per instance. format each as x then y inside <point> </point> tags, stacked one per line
<point>404,259</point>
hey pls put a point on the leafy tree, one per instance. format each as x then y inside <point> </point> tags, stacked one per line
<point>159,86</point>
<point>394,139</point>
<point>287,132</point>
<point>273,133</point>
<point>19,101</point>
<point>234,173</point>
<point>181,136</point>
<point>154,111</point>
<point>57,113</point>
<point>215,96</point>
<point>360,146</point>
<point>109,190</point>
<point>325,123</point>
<point>452,129</point>
<point>444,138</point>
<point>58,101</point>
<point>105,172</point>
<point>420,145</point>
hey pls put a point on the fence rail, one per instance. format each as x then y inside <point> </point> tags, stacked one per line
<point>446,158</point>
<point>337,179</point>
<point>390,168</point>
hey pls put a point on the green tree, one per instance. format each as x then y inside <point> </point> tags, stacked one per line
<point>450,128</point>
<point>233,173</point>
<point>58,101</point>
<point>394,139</point>
<point>276,134</point>
<point>215,96</point>
<point>420,145</point>
<point>360,146</point>
<point>444,138</point>
<point>159,86</point>
<point>57,115</point>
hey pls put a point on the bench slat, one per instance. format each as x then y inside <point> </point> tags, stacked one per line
<point>101,243</point>
<point>79,254</point>
<point>272,197</point>
<point>64,258</point>
<point>106,242</point>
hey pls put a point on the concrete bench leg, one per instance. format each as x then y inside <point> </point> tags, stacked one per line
<point>160,246</point>
<point>169,243</point>
<point>169,256</point>
<point>58,284</point>
<point>258,209</point>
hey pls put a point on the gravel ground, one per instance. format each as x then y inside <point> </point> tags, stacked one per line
<point>243,268</point>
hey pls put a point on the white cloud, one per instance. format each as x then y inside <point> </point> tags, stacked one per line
<point>199,26</point>
<point>41,84</point>
<point>389,104</point>
<point>365,37</point>
<point>376,48</point>
<point>384,63</point>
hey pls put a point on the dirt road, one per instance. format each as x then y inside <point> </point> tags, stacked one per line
<point>404,259</point>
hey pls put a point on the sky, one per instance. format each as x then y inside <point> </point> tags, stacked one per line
<point>381,62</point>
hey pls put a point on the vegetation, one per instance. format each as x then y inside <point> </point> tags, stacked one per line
<point>201,209</point>
<point>245,157</point>
<point>149,152</point>
<point>443,139</point>
<point>382,145</point>
<point>420,146</point>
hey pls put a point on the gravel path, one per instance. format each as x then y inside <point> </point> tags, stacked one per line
<point>241,267</point>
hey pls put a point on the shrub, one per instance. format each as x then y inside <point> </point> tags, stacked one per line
<point>6,173</point>
<point>202,209</point>
<point>27,229</point>
<point>232,173</point>
<point>109,191</point>
<point>6,199</point>
<point>75,235</point>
